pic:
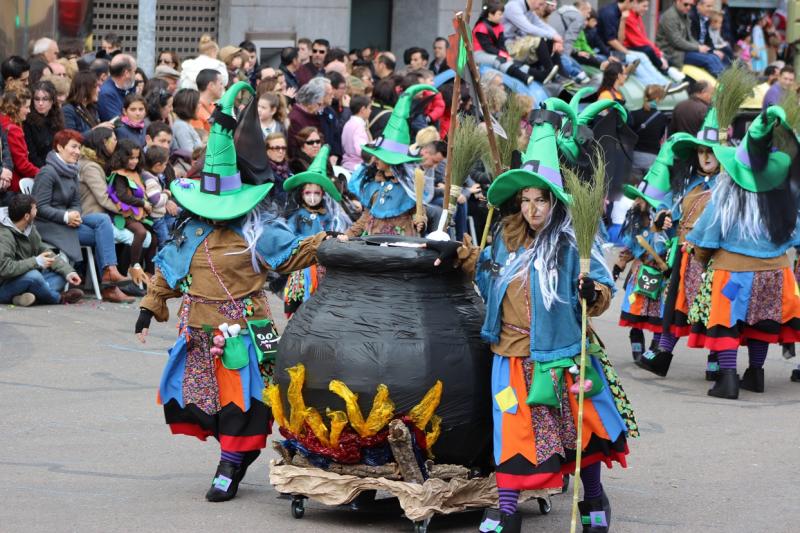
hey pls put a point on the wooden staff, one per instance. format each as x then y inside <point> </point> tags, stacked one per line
<point>662,266</point>
<point>487,117</point>
<point>419,189</point>
<point>454,104</point>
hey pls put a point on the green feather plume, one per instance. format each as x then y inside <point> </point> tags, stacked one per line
<point>587,204</point>
<point>735,85</point>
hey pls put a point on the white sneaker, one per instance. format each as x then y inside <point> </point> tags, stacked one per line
<point>583,78</point>
<point>676,74</point>
<point>26,299</point>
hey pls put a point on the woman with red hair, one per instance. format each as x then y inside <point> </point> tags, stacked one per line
<point>59,218</point>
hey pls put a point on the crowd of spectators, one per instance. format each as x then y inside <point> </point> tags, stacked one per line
<point>89,143</point>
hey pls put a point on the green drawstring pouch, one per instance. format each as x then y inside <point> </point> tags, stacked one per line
<point>591,373</point>
<point>548,383</point>
<point>234,355</point>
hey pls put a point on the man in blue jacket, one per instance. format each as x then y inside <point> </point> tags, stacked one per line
<point>119,84</point>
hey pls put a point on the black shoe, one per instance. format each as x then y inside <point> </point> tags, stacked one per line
<point>753,380</point>
<point>495,521</point>
<point>131,289</point>
<point>712,370</point>
<point>225,482</point>
<point>795,375</point>
<point>727,385</point>
<point>658,364</point>
<point>249,458</point>
<point>595,514</point>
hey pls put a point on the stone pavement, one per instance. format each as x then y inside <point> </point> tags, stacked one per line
<point>83,446</point>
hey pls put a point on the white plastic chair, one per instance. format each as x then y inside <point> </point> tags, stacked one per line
<point>26,185</point>
<point>91,271</point>
<point>339,170</point>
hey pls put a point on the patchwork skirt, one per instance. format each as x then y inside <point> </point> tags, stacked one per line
<point>734,307</point>
<point>689,281</point>
<point>204,399</point>
<point>639,311</point>
<point>534,445</point>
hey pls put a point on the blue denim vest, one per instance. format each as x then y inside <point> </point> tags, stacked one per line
<point>305,223</point>
<point>384,200</point>
<point>555,333</point>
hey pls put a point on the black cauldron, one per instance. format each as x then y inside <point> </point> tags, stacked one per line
<point>385,314</point>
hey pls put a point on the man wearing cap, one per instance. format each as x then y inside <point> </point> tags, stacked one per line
<point>169,75</point>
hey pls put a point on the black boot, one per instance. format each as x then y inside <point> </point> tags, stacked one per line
<point>658,364</point>
<point>727,385</point>
<point>494,520</point>
<point>247,460</point>
<point>595,514</point>
<point>795,375</point>
<point>753,379</point>
<point>637,343</point>
<point>712,368</point>
<point>225,482</point>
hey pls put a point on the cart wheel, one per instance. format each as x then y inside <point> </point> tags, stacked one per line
<point>421,526</point>
<point>544,505</point>
<point>298,508</point>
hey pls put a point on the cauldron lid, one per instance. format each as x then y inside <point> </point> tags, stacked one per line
<point>381,253</point>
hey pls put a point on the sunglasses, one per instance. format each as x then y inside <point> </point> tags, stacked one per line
<point>312,143</point>
<point>166,62</point>
<point>42,99</point>
<point>277,148</point>
<point>318,51</point>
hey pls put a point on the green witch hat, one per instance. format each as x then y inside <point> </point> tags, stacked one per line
<point>220,193</point>
<point>393,147</point>
<point>753,165</point>
<point>539,163</point>
<point>655,186</point>
<point>685,145</point>
<point>317,174</point>
<point>577,133</point>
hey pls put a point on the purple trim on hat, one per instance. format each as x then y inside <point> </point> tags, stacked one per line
<point>742,156</point>
<point>708,134</point>
<point>213,184</point>
<point>657,194</point>
<point>392,146</point>
<point>551,175</point>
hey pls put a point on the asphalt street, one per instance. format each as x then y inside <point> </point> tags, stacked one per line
<point>83,445</point>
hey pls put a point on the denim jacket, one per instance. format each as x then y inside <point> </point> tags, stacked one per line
<point>383,199</point>
<point>304,223</point>
<point>276,244</point>
<point>555,333</point>
<point>707,233</point>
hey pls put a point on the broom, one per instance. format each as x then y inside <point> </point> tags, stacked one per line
<point>735,85</point>
<point>586,208</point>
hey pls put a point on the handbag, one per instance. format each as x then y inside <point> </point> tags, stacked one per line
<point>649,282</point>
<point>265,338</point>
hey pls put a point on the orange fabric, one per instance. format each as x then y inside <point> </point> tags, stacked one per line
<point>518,435</point>
<point>204,112</point>
<point>790,297</point>
<point>681,303</point>
<point>720,314</point>
<point>591,419</point>
<point>230,386</point>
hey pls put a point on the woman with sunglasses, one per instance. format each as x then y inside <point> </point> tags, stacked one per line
<point>309,141</point>
<point>276,155</point>
<point>44,120</point>
<point>169,58</point>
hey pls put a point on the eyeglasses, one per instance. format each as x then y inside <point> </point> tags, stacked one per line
<point>277,148</point>
<point>314,142</point>
<point>42,99</point>
<point>166,62</point>
<point>318,51</point>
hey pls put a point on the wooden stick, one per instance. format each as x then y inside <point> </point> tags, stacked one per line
<point>662,266</point>
<point>454,104</point>
<point>487,120</point>
<point>400,441</point>
<point>419,190</point>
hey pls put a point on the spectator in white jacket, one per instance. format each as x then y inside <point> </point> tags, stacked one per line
<point>206,60</point>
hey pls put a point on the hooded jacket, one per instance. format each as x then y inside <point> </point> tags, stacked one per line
<point>18,250</point>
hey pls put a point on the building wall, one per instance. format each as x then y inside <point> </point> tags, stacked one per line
<point>328,19</point>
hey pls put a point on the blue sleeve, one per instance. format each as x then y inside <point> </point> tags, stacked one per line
<point>707,232</point>
<point>599,269</point>
<point>277,243</point>
<point>483,274</point>
<point>107,105</point>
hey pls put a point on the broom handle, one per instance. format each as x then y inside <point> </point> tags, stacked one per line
<point>486,227</point>
<point>579,441</point>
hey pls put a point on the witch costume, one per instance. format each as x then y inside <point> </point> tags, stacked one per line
<point>642,305</point>
<point>217,263</point>
<point>749,295</point>
<point>389,200</point>
<point>533,323</point>
<point>687,271</point>
<point>305,221</point>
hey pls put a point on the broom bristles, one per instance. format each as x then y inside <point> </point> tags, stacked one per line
<point>469,145</point>
<point>510,120</point>
<point>735,85</point>
<point>791,105</point>
<point>587,204</point>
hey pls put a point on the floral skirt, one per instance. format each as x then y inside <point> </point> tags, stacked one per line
<point>690,280</point>
<point>534,445</point>
<point>734,307</point>
<point>639,311</point>
<point>399,225</point>
<point>204,399</point>
<point>300,286</point>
